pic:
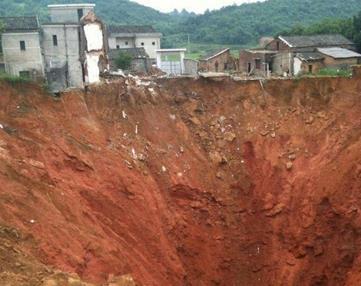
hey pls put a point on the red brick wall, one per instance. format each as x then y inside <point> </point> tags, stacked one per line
<point>223,60</point>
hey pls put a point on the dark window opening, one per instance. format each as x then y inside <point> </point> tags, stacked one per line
<point>249,68</point>
<point>80,14</point>
<point>118,47</point>
<point>310,68</point>
<point>278,46</point>
<point>216,66</point>
<point>22,46</point>
<point>24,74</point>
<point>258,63</point>
<point>55,40</point>
<point>126,43</point>
<point>153,43</point>
<point>142,44</point>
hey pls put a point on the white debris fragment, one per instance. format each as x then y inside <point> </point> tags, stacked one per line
<point>125,116</point>
<point>164,169</point>
<point>125,135</point>
<point>1,126</point>
<point>32,221</point>
<point>172,116</point>
<point>136,129</point>
<point>134,154</point>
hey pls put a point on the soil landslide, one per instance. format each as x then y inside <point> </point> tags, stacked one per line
<point>182,182</point>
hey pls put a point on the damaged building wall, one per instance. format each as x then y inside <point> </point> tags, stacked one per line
<point>95,59</point>
<point>61,52</point>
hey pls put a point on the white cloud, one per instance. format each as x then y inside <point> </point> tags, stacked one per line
<point>198,6</point>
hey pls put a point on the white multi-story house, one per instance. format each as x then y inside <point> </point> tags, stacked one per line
<point>125,37</point>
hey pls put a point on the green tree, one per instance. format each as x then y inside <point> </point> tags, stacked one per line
<point>123,61</point>
<point>357,30</point>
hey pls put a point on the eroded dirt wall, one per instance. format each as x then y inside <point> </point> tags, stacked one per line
<point>188,182</point>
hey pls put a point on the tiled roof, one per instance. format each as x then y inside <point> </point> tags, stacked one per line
<point>136,53</point>
<point>214,54</point>
<point>20,24</point>
<point>314,56</point>
<point>339,53</point>
<point>315,41</point>
<point>130,29</point>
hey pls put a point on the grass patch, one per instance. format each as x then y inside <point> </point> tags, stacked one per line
<point>13,80</point>
<point>334,72</point>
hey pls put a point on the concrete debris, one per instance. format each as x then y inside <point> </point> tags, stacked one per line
<point>125,280</point>
<point>36,164</point>
<point>292,157</point>
<point>164,169</point>
<point>264,133</point>
<point>129,165</point>
<point>289,166</point>
<point>181,149</point>
<point>1,126</point>
<point>172,116</point>
<point>32,221</point>
<point>310,120</point>
<point>141,157</point>
<point>136,129</point>
<point>273,134</point>
<point>134,154</point>
<point>195,121</point>
<point>125,116</point>
<point>229,136</point>
<point>277,209</point>
<point>217,158</point>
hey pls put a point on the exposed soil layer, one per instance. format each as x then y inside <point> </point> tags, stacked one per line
<point>185,182</point>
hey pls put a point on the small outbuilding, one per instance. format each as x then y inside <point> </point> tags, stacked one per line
<point>219,61</point>
<point>339,57</point>
<point>256,62</point>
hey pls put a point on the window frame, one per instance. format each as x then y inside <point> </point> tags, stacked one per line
<point>22,45</point>
<point>55,40</point>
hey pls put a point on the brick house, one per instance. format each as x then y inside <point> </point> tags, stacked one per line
<point>219,61</point>
<point>255,62</point>
<point>289,48</point>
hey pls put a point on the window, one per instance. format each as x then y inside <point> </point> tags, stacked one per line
<point>80,14</point>
<point>153,43</point>
<point>278,46</point>
<point>258,63</point>
<point>55,40</point>
<point>310,68</point>
<point>142,44</point>
<point>126,43</point>
<point>249,67</point>
<point>118,47</point>
<point>22,46</point>
<point>24,74</point>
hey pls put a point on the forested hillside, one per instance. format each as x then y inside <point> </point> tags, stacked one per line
<point>240,25</point>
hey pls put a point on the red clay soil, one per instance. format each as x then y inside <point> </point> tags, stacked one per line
<point>188,182</point>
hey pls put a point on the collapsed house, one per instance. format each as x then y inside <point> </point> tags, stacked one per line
<point>70,51</point>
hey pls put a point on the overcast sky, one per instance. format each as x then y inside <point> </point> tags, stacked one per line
<point>198,6</point>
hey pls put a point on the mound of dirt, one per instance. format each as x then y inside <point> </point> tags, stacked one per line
<point>182,182</point>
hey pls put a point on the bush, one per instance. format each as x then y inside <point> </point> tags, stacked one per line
<point>334,72</point>
<point>11,79</point>
<point>123,61</point>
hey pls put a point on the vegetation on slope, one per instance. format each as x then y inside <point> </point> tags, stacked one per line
<point>350,28</point>
<point>239,25</point>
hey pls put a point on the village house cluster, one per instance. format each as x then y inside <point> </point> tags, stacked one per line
<point>75,48</point>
